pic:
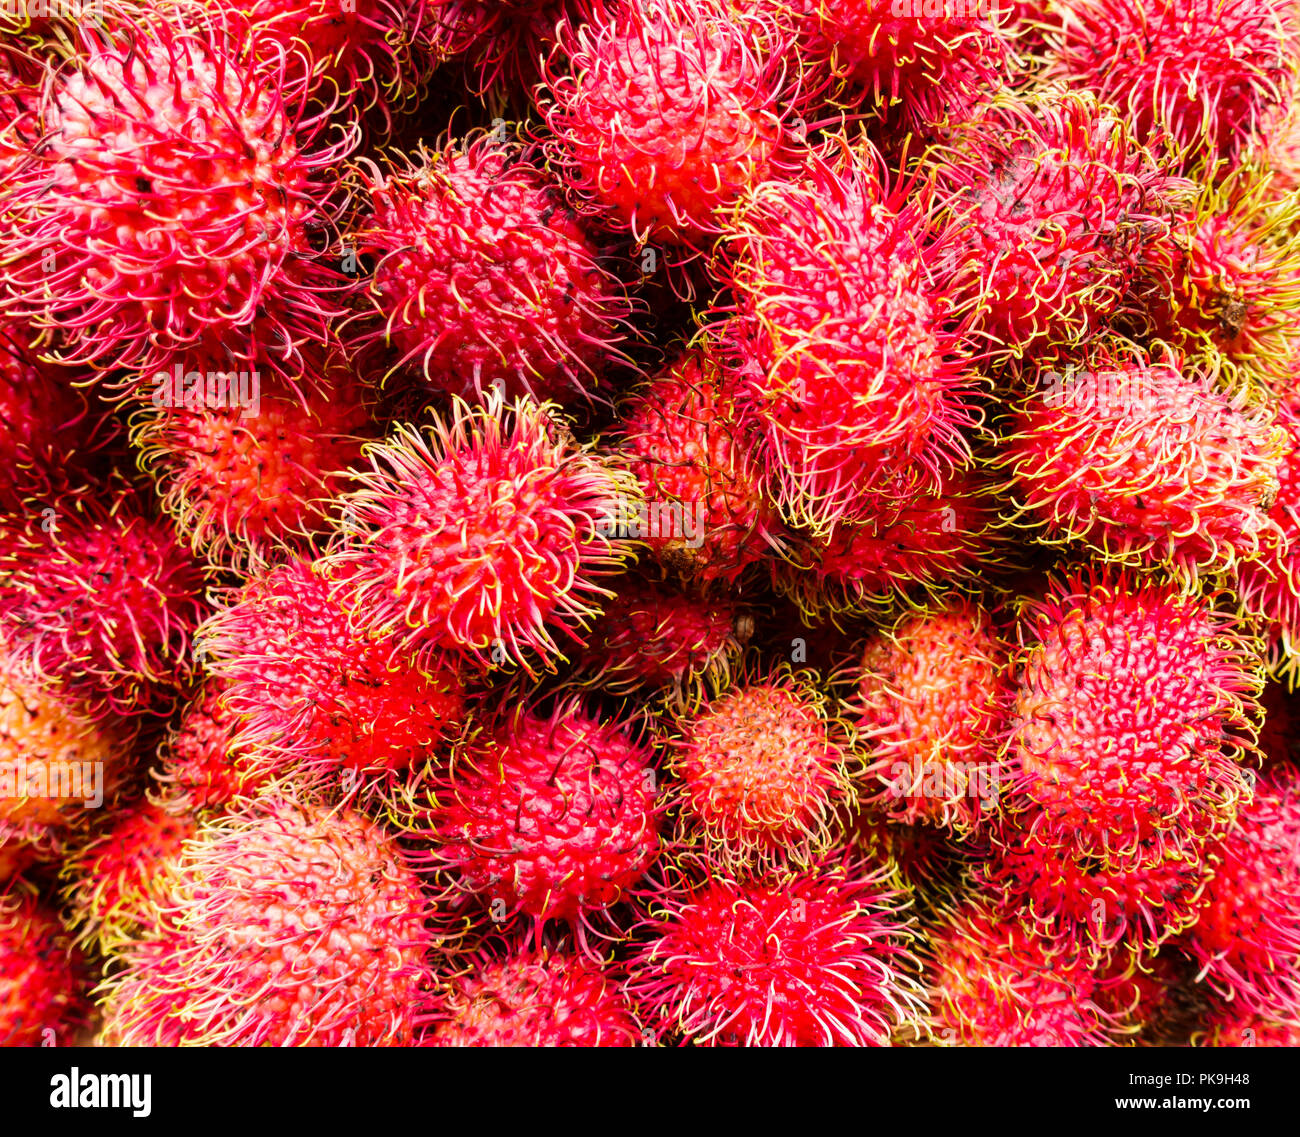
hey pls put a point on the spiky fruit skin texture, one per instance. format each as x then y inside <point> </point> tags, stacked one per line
<point>48,428</point>
<point>650,637</point>
<point>933,59</point>
<point>549,817</point>
<point>535,998</point>
<point>1232,1027</point>
<point>847,363</point>
<point>101,597</point>
<point>315,695</point>
<point>1247,939</point>
<point>502,42</point>
<point>202,766</point>
<point>992,983</point>
<point>363,52</point>
<point>1204,73</point>
<point>1227,279</point>
<point>483,535</point>
<point>1270,586</point>
<point>931,698</point>
<point>284,925</point>
<point>52,753</point>
<point>1054,205</point>
<point>763,767</point>
<point>820,960</point>
<point>240,478</point>
<point>114,880</point>
<point>1136,702</point>
<point>692,454</point>
<point>1145,458</point>
<point>663,113</point>
<point>171,204</point>
<point>915,544</point>
<point>483,277</point>
<point>42,988</point>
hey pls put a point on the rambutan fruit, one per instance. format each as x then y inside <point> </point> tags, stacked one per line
<point>992,982</point>
<point>364,52</point>
<point>502,43</point>
<point>662,113</point>
<point>1138,993</point>
<point>58,762</point>
<point>314,695</point>
<point>1226,279</point>
<point>650,637</point>
<point>930,700</point>
<point>1121,904</point>
<point>930,60</point>
<point>706,515</point>
<point>173,201</point>
<point>1270,585</point>
<point>113,881</point>
<point>1246,942</point>
<point>1144,457</point>
<point>916,544</point>
<point>547,816</point>
<point>284,925</point>
<point>847,362</point>
<point>1136,703</point>
<point>483,534</point>
<point>924,860</point>
<point>49,429</point>
<point>535,997</point>
<point>257,468</point>
<point>821,959</point>
<point>202,766</point>
<point>1232,1026</point>
<point>762,768</point>
<point>102,597</point>
<point>1052,205</point>
<point>1202,73</point>
<point>484,277</point>
<point>42,979</point>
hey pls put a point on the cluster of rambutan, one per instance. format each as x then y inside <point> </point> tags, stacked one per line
<point>638,522</point>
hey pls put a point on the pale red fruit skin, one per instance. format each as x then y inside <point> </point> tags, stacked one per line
<point>1054,206</point>
<point>285,924</point>
<point>692,452</point>
<point>549,818</point>
<point>762,768</point>
<point>1247,940</point>
<point>1141,56</point>
<point>935,63</point>
<point>100,596</point>
<point>821,959</point>
<point>114,880</point>
<point>992,983</point>
<point>650,637</point>
<point>663,111</point>
<point>850,360</point>
<point>42,989</point>
<point>1232,1026</point>
<point>483,277</point>
<point>930,703</point>
<point>536,509</point>
<point>202,766</point>
<point>534,998</point>
<point>312,693</point>
<point>1145,458</point>
<point>170,203</point>
<point>239,481</point>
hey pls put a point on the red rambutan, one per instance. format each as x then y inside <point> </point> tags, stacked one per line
<point>42,986</point>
